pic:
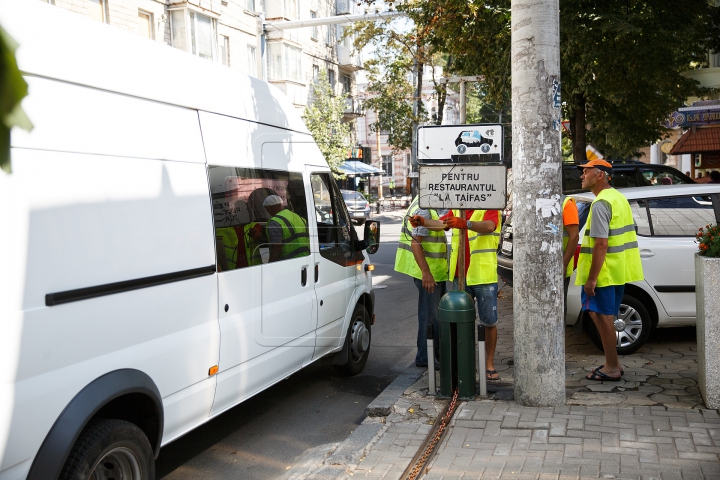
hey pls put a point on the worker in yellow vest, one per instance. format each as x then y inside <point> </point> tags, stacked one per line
<point>609,258</point>
<point>571,237</point>
<point>422,254</point>
<point>287,231</point>
<point>482,229</point>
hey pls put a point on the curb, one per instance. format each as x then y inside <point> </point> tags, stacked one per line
<point>332,461</point>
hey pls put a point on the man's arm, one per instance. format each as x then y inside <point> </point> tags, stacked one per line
<point>429,223</point>
<point>428,281</point>
<point>573,239</point>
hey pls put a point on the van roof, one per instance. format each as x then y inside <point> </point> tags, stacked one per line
<point>66,46</point>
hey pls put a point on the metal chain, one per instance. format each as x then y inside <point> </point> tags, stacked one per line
<point>431,446</point>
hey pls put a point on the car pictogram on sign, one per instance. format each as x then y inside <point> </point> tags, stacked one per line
<point>472,138</point>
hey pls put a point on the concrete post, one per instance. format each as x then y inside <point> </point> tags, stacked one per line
<point>537,213</point>
<point>377,143</point>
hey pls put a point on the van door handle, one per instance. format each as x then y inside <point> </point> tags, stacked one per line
<point>645,253</point>
<point>317,272</point>
<point>303,276</point>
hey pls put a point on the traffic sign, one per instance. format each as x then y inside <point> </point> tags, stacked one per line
<point>478,143</point>
<point>476,187</point>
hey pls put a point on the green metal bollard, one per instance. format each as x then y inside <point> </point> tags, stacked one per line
<point>456,318</point>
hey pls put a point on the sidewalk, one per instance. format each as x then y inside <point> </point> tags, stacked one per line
<point>651,425</point>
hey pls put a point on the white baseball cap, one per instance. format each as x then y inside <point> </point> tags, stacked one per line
<point>272,200</point>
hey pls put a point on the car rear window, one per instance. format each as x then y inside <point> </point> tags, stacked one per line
<point>352,196</point>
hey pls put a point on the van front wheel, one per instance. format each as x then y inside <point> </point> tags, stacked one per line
<point>110,449</point>
<point>358,343</point>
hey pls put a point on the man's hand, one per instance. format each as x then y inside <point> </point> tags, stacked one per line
<point>590,287</point>
<point>428,282</point>
<point>417,221</point>
<point>456,222</point>
<point>255,231</point>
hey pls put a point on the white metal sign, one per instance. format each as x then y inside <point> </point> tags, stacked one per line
<point>460,144</point>
<point>475,187</point>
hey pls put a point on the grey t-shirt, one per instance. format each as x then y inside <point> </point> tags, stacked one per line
<point>601,215</point>
<point>274,232</point>
<point>423,231</point>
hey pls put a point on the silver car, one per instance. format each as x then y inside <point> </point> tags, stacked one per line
<point>357,205</point>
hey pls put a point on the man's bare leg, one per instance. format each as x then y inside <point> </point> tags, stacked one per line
<point>490,344</point>
<point>606,328</point>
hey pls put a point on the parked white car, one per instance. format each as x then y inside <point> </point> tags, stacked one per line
<point>667,220</point>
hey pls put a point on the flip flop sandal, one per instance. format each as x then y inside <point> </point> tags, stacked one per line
<point>599,376</point>
<point>622,370</point>
<point>490,373</point>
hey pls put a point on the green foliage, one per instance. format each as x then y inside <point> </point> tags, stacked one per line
<point>623,58</point>
<point>323,118</point>
<point>389,74</point>
<point>708,240</point>
<point>12,90</point>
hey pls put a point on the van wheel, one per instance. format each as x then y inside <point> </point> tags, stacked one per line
<point>632,327</point>
<point>358,342</point>
<point>110,449</point>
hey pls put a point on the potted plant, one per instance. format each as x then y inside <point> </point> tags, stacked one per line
<point>707,298</point>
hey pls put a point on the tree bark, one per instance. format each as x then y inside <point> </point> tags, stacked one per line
<point>577,126</point>
<point>539,327</point>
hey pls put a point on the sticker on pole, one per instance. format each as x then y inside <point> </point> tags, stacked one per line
<point>475,187</point>
<point>478,143</point>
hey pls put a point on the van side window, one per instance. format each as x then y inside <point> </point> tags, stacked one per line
<point>335,232</point>
<point>260,216</point>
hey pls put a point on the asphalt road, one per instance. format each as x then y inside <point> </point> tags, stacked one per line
<point>262,437</point>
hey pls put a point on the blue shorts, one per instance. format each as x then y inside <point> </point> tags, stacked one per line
<point>606,300</point>
<point>485,297</point>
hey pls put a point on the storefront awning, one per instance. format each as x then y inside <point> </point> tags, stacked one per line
<point>353,167</point>
<point>698,140</point>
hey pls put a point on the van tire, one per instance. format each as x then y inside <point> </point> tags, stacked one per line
<point>357,341</point>
<point>637,324</point>
<point>109,445</point>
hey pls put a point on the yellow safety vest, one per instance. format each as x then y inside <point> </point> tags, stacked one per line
<point>252,246</point>
<point>295,238</point>
<point>434,246</point>
<point>483,252</point>
<point>566,236</point>
<point>622,263</point>
<point>230,242</point>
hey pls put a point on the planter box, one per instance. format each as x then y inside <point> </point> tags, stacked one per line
<point>707,298</point>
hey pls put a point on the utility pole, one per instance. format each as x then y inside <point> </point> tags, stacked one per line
<point>377,143</point>
<point>413,148</point>
<point>539,327</point>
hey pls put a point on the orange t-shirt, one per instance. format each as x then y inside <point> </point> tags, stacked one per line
<point>570,214</point>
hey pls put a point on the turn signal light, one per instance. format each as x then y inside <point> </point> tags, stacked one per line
<point>213,370</point>
<point>369,267</point>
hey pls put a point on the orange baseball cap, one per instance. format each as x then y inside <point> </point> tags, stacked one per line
<point>601,165</point>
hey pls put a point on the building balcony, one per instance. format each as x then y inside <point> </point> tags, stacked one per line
<point>353,108</point>
<point>708,77</point>
<point>349,60</point>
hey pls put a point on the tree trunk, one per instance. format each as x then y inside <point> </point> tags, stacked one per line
<point>577,126</point>
<point>539,327</point>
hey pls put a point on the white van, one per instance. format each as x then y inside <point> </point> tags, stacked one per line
<point>142,287</point>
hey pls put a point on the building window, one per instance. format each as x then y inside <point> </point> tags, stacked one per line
<point>313,32</point>
<point>193,32</point>
<point>225,50</point>
<point>291,9</point>
<point>331,80</point>
<point>387,164</point>
<point>98,10</point>
<point>316,74</point>
<point>252,61</point>
<point>284,62</point>
<point>145,24</point>
<point>346,82</point>
<point>329,38</point>
<point>250,5</point>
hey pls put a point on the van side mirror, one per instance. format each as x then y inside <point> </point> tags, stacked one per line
<point>371,237</point>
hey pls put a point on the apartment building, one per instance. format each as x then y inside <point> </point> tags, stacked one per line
<point>231,32</point>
